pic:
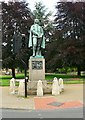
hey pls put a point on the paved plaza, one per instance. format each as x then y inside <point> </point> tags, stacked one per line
<point>72,97</point>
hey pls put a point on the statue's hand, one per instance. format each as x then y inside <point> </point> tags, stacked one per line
<point>40,36</point>
<point>34,33</point>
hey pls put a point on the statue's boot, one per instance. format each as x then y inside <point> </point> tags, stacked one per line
<point>39,51</point>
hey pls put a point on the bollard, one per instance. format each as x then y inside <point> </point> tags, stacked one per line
<point>55,87</point>
<point>39,89</point>
<point>26,79</point>
<point>12,86</point>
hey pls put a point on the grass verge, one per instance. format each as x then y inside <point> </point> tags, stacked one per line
<point>68,79</point>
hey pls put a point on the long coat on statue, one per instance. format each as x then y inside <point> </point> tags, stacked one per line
<point>36,32</point>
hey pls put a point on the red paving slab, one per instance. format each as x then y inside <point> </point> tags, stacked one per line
<point>71,104</point>
<point>42,103</point>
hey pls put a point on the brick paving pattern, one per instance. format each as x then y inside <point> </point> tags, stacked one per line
<point>42,103</point>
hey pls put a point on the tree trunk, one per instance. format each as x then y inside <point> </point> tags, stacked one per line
<point>79,71</point>
<point>13,72</point>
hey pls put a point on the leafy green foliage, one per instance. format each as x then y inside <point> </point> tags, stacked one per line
<point>67,48</point>
<point>15,16</point>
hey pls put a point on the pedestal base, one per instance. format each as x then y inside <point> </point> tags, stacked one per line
<point>36,69</point>
<point>36,73</point>
<point>32,87</point>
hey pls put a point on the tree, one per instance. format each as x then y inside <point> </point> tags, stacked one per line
<point>67,46</point>
<point>69,34</point>
<point>14,15</point>
<point>43,15</point>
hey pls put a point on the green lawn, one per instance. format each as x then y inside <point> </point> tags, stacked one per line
<point>5,79</point>
<point>68,79</point>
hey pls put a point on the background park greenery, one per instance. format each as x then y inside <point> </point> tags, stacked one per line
<point>65,37</point>
<point>68,79</point>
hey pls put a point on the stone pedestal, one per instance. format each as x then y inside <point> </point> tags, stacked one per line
<point>36,73</point>
<point>36,69</point>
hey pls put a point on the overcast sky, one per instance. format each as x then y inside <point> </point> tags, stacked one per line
<point>50,4</point>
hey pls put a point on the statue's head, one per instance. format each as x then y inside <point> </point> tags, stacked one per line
<point>36,21</point>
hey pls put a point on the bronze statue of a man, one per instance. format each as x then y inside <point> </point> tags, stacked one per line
<point>36,38</point>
